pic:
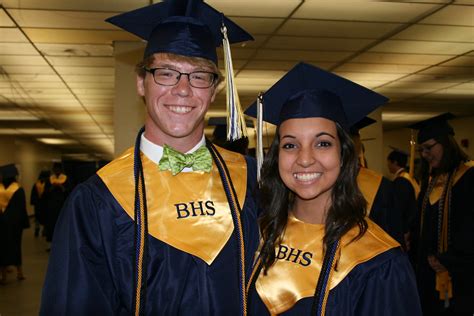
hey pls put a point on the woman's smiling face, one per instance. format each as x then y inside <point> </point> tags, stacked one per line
<point>309,159</point>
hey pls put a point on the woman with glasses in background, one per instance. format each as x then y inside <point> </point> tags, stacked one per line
<point>444,236</point>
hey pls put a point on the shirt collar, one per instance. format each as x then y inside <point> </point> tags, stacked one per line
<point>154,152</point>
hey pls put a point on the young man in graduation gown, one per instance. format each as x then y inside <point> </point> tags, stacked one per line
<point>169,227</point>
<point>445,235</point>
<point>406,191</point>
<point>13,219</point>
<point>378,191</point>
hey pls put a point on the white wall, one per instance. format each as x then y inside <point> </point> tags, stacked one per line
<point>30,158</point>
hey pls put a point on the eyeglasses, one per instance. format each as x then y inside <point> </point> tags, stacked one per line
<point>426,148</point>
<point>170,77</point>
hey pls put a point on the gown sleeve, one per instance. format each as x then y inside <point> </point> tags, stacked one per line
<point>79,280</point>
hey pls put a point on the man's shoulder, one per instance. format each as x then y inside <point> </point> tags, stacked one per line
<point>117,166</point>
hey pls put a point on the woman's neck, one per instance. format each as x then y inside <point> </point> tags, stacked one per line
<point>311,211</point>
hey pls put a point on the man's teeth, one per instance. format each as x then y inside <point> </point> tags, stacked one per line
<point>180,109</point>
<point>307,176</point>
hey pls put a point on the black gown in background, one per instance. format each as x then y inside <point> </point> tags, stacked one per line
<point>55,196</point>
<point>458,259</point>
<point>12,222</point>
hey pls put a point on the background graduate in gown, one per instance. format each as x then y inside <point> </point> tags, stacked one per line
<point>13,219</point>
<point>320,254</point>
<point>444,229</point>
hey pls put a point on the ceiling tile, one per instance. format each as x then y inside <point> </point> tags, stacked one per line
<point>85,5</point>
<point>5,20</point>
<point>12,35</point>
<point>359,76</point>
<point>256,25</point>
<point>281,65</point>
<point>62,19</point>
<point>404,59</point>
<point>22,49</point>
<point>81,61</point>
<point>76,50</point>
<point>62,36</point>
<point>260,8</point>
<point>437,33</point>
<point>453,15</point>
<point>88,79</point>
<point>22,61</point>
<point>35,70</point>
<point>317,43</point>
<point>462,61</point>
<point>379,68</point>
<point>362,11</point>
<point>80,71</point>
<point>297,55</point>
<point>340,29</point>
<point>421,47</point>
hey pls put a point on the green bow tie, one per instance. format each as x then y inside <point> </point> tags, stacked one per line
<point>176,161</point>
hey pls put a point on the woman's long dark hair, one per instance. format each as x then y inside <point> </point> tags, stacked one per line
<point>348,207</point>
<point>452,157</point>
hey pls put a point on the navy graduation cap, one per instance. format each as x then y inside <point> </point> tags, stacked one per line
<point>307,91</point>
<point>434,127</point>
<point>366,121</point>
<point>183,27</point>
<point>8,171</point>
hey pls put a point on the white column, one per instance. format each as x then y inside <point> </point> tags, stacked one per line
<point>129,109</point>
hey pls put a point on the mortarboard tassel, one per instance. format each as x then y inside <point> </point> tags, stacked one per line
<point>259,151</point>
<point>236,127</point>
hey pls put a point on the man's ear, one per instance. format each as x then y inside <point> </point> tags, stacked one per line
<point>141,85</point>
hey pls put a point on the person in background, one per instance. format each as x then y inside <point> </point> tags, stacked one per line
<point>320,254</point>
<point>56,192</point>
<point>444,235</point>
<point>378,191</point>
<point>406,191</point>
<point>37,199</point>
<point>169,227</point>
<point>13,219</point>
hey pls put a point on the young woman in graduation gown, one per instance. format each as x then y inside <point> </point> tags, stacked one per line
<point>320,254</point>
<point>444,236</point>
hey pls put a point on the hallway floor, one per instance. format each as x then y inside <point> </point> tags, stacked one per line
<point>22,298</point>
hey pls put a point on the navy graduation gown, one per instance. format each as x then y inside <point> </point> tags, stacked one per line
<point>384,285</point>
<point>91,269</point>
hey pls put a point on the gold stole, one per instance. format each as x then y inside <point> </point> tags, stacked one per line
<point>369,182</point>
<point>295,273</point>
<point>6,194</point>
<point>413,182</point>
<point>40,187</point>
<point>438,188</point>
<point>188,211</point>
<point>55,180</point>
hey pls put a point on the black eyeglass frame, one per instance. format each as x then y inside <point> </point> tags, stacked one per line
<point>188,74</point>
<point>427,148</point>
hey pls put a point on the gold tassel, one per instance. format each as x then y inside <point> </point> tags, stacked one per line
<point>236,127</point>
<point>259,145</point>
<point>444,286</point>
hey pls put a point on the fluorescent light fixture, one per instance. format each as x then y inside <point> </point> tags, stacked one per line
<point>57,141</point>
